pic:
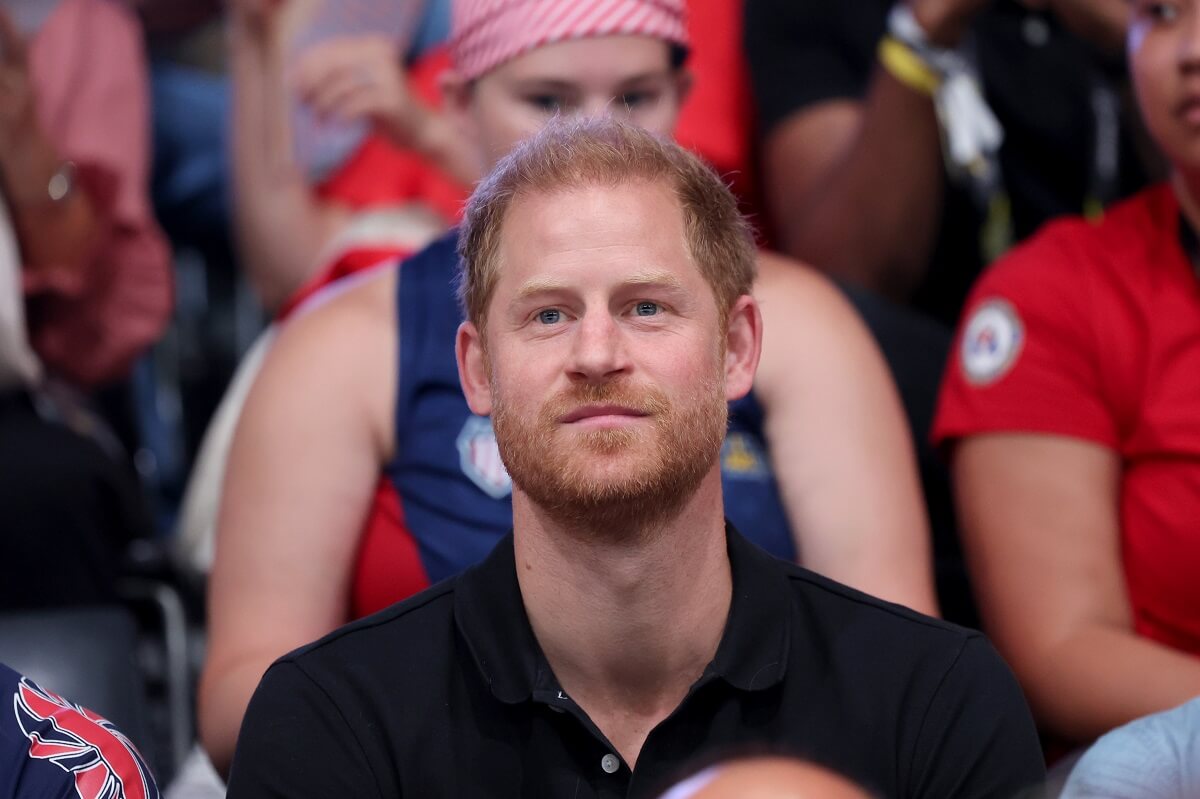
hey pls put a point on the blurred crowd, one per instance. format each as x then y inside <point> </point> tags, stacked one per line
<point>979,392</point>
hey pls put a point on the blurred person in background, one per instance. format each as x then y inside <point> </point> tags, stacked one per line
<point>359,475</point>
<point>339,163</point>
<point>87,289</point>
<point>880,169</point>
<point>1070,412</point>
<point>325,181</point>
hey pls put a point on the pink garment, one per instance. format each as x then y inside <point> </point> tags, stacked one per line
<point>89,75</point>
<point>486,33</point>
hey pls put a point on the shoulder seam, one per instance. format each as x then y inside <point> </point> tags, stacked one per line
<point>899,611</point>
<point>386,616</point>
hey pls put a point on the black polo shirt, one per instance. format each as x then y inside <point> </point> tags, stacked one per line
<point>448,694</point>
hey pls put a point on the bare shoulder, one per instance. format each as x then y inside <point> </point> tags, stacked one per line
<point>345,328</point>
<point>796,298</point>
<point>339,352</point>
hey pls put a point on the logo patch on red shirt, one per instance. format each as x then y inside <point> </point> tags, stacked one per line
<point>991,342</point>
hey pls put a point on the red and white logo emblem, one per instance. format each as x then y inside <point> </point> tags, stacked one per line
<point>991,342</point>
<point>479,458</point>
<point>104,763</point>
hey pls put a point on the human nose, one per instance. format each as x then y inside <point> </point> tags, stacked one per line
<point>598,351</point>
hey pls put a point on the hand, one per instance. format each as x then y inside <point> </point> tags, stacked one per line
<point>361,77</point>
<point>18,112</point>
<point>945,21</point>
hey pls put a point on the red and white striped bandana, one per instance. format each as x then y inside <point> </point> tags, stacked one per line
<point>486,33</point>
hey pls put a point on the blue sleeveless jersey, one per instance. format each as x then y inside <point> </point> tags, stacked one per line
<point>454,492</point>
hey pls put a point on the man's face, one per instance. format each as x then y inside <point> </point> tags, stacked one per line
<point>605,355</point>
<point>629,77</point>
<point>1164,59</point>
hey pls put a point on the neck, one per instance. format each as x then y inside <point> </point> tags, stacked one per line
<point>628,622</point>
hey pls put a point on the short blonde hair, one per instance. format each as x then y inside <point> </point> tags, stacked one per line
<point>568,154</point>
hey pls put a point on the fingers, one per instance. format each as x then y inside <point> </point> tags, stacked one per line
<point>330,96</point>
<point>350,78</point>
<point>373,53</point>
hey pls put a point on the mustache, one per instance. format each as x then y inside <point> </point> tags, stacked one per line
<point>646,401</point>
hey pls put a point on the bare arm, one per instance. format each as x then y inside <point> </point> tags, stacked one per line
<point>280,224</point>
<point>1041,534</point>
<point>305,460</point>
<point>855,187</point>
<point>840,446</point>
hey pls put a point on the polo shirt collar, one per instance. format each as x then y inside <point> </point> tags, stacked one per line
<point>752,656</point>
<point>490,614</point>
<point>753,652</point>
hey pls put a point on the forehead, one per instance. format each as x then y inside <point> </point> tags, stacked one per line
<point>569,234</point>
<point>592,61</point>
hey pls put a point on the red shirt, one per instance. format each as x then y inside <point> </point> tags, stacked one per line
<point>1093,331</point>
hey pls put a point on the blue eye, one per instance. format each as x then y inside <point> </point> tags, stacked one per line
<point>646,309</point>
<point>549,316</point>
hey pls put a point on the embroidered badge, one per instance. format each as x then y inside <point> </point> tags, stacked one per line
<point>479,458</point>
<point>991,342</point>
<point>742,458</point>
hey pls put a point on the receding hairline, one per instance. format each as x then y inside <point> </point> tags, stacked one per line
<point>648,276</point>
<point>717,237</point>
<point>645,277</point>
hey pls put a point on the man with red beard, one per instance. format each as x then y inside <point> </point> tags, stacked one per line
<point>624,628</point>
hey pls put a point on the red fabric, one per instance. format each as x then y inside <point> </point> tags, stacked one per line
<point>352,263</point>
<point>388,567</point>
<point>1111,354</point>
<point>717,118</point>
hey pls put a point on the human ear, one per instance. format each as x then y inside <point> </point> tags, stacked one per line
<point>743,346</point>
<point>473,369</point>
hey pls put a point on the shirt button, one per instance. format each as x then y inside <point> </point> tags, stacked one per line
<point>610,764</point>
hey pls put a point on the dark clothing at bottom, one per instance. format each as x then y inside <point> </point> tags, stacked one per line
<point>448,694</point>
<point>68,510</point>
